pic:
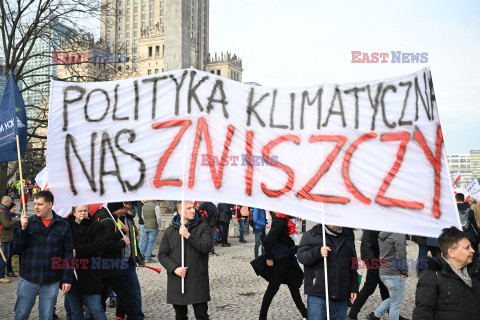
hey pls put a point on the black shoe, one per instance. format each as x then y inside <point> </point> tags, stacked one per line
<point>112,304</point>
<point>11,274</point>
<point>402,318</point>
<point>152,255</point>
<point>243,241</point>
<point>372,316</point>
<point>55,317</point>
<point>226,244</point>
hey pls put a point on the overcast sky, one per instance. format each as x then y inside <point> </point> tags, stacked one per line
<point>306,42</point>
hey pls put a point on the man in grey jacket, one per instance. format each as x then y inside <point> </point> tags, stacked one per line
<point>152,222</point>
<point>393,272</point>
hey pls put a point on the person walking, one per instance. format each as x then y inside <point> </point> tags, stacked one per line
<point>88,242</point>
<point>280,252</point>
<point>43,237</point>
<point>241,222</point>
<point>112,276</point>
<point>369,253</point>
<point>393,273</point>
<point>449,288</point>
<point>226,212</point>
<point>7,223</point>
<point>198,241</point>
<point>339,250</point>
<point>152,220</point>
<point>259,218</point>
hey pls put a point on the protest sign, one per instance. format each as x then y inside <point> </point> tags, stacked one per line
<point>368,155</point>
<point>473,190</point>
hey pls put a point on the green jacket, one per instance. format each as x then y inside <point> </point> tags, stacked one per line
<point>151,215</point>
<point>6,225</point>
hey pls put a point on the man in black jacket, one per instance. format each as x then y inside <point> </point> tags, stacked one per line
<point>112,259</point>
<point>369,252</point>
<point>198,241</point>
<point>449,288</point>
<point>342,276</point>
<point>226,212</point>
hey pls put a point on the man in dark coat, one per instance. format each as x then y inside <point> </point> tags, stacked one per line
<point>449,288</point>
<point>469,224</point>
<point>226,212</point>
<point>198,241</point>
<point>112,259</point>
<point>88,242</point>
<point>342,275</point>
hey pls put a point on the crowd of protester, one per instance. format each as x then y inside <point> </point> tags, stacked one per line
<point>93,254</point>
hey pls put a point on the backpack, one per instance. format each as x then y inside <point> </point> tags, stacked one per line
<point>250,219</point>
<point>464,219</point>
<point>203,213</point>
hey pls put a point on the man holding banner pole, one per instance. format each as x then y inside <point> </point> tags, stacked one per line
<point>198,239</point>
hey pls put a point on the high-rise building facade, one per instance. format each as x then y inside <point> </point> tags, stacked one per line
<point>475,162</point>
<point>176,30</point>
<point>39,69</point>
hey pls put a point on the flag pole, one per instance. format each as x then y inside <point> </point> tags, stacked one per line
<point>24,213</point>
<point>183,206</point>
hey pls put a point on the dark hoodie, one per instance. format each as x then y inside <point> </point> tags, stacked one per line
<point>473,232</point>
<point>88,242</point>
<point>393,254</point>
<point>197,248</point>
<point>442,295</point>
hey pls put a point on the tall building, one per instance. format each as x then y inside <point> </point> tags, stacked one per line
<point>460,163</point>
<point>161,35</point>
<point>39,69</point>
<point>475,162</point>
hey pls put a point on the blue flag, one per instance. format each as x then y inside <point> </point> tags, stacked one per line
<point>13,121</point>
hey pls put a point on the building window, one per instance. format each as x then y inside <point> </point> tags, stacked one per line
<point>128,42</point>
<point>128,26</point>
<point>135,25</point>
<point>108,37</point>
<point>135,18</point>
<point>161,4</point>
<point>151,23</point>
<point>144,8</point>
<point>128,2</point>
<point>151,7</point>
<point>128,35</point>
<point>120,36</point>
<point>143,24</point>
<point>108,29</point>
<point>135,9</point>
<point>136,1</point>
<point>161,12</point>
<point>119,28</point>
<point>135,41</point>
<point>119,43</point>
<point>135,34</point>
<point>128,10</point>
<point>108,12</point>
<point>134,50</point>
<point>218,72</point>
<point>127,67</point>
<point>149,72</point>
<point>108,20</point>
<point>128,18</point>
<point>161,20</point>
<point>120,4</point>
<point>120,20</point>
<point>143,15</point>
<point>157,51</point>
<point>135,67</point>
<point>134,58</point>
<point>151,15</point>
<point>156,70</point>
<point>150,52</point>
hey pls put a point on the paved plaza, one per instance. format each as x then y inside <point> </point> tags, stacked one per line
<point>236,291</point>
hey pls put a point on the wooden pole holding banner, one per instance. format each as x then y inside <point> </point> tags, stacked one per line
<point>24,213</point>
<point>183,207</point>
<point>327,304</point>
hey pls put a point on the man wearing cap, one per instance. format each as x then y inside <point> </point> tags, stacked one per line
<point>112,262</point>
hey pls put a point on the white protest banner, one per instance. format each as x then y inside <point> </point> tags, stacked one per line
<point>473,190</point>
<point>371,154</point>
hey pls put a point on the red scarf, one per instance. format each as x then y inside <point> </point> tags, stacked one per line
<point>290,224</point>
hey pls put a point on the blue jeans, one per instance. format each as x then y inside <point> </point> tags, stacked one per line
<point>216,235</point>
<point>317,308</point>
<point>131,278</point>
<point>241,224</point>
<point>6,253</point>
<point>259,237</point>
<point>396,287</point>
<point>142,235</point>
<point>93,303</point>
<point>149,239</point>
<point>27,294</point>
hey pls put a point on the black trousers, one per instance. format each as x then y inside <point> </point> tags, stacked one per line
<point>223,231</point>
<point>371,282</point>
<point>200,310</point>
<point>282,270</point>
<point>124,295</point>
